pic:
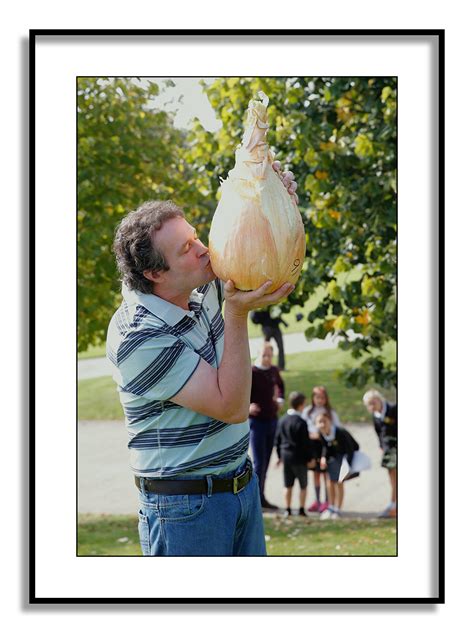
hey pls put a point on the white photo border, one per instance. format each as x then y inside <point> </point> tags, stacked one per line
<point>416,58</point>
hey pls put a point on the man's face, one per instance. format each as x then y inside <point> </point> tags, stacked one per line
<point>374,405</point>
<point>186,256</point>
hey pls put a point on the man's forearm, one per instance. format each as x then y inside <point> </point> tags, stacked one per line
<point>234,375</point>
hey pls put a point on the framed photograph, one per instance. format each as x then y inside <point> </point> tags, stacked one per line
<point>121,117</point>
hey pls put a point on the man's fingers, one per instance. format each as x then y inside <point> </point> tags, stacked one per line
<point>278,294</point>
<point>260,292</point>
<point>277,166</point>
<point>292,187</point>
<point>287,177</point>
<point>229,288</point>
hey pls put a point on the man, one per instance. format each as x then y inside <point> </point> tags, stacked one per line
<point>266,398</point>
<point>184,382</point>
<point>384,416</point>
<point>271,329</point>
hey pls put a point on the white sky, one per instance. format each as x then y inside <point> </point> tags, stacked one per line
<point>188,99</point>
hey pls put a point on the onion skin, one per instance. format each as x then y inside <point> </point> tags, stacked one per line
<point>257,233</point>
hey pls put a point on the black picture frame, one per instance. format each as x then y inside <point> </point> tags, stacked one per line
<point>439,247</point>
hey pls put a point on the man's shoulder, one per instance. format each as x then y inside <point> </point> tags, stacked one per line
<point>134,330</point>
<point>131,319</point>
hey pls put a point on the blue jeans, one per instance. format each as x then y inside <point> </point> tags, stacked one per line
<point>220,524</point>
<point>262,438</point>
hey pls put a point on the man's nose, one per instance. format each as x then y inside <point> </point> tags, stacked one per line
<point>201,249</point>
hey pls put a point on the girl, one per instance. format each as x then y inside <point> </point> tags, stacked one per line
<point>319,404</point>
<point>384,415</point>
<point>337,444</point>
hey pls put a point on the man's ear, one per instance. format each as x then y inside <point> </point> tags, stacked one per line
<point>155,276</point>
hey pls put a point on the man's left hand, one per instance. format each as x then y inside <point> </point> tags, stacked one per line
<point>287,178</point>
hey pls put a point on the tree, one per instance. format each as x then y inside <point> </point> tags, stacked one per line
<point>338,135</point>
<point>128,153</point>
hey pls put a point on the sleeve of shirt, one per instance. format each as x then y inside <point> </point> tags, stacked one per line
<point>278,439</point>
<point>335,419</point>
<point>159,368</point>
<point>324,450</point>
<point>279,383</point>
<point>305,441</point>
<point>378,430</point>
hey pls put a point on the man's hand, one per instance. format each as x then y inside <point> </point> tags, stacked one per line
<point>239,303</point>
<point>287,178</point>
<point>323,463</point>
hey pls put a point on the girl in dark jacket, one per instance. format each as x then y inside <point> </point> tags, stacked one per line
<point>337,444</point>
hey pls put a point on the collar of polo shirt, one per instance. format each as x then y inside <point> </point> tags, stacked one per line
<point>164,310</point>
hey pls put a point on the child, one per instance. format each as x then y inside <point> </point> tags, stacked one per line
<point>384,416</point>
<point>319,403</point>
<point>337,444</point>
<point>294,449</point>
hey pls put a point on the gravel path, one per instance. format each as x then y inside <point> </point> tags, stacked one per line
<point>106,482</point>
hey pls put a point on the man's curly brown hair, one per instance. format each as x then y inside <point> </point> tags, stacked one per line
<point>133,243</point>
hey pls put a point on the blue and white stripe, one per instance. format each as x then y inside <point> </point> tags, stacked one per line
<point>154,348</point>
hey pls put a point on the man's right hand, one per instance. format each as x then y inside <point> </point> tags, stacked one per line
<point>239,303</point>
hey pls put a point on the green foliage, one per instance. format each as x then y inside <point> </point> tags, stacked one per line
<point>338,135</point>
<point>127,153</point>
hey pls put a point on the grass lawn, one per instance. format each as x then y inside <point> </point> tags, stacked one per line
<point>98,398</point>
<point>116,535</point>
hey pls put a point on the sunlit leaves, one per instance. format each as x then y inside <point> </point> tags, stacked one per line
<point>127,153</point>
<point>338,135</point>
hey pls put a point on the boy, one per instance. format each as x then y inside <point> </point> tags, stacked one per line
<point>337,444</point>
<point>294,450</point>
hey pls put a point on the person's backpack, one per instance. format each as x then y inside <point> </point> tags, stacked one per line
<point>256,317</point>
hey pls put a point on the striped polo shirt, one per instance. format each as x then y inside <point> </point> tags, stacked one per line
<point>154,348</point>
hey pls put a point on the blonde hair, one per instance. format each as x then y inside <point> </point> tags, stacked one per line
<point>372,393</point>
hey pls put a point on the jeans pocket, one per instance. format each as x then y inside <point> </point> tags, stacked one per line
<point>180,507</point>
<point>144,533</point>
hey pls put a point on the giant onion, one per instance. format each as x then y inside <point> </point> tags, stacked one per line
<point>256,233</point>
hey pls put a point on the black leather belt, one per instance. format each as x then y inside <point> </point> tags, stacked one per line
<point>195,486</point>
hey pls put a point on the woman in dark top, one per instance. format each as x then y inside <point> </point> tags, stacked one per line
<point>266,397</point>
